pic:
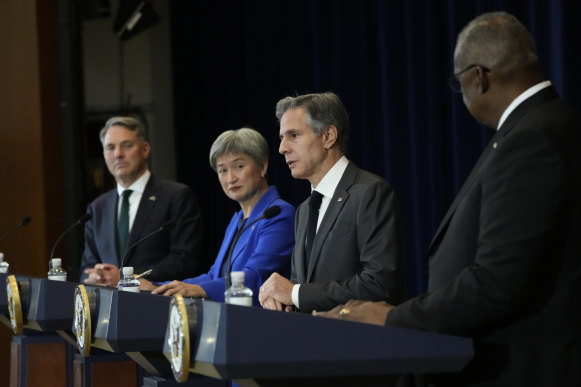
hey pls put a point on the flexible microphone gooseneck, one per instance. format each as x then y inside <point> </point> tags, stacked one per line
<point>23,222</point>
<point>168,225</point>
<point>269,213</point>
<point>82,220</point>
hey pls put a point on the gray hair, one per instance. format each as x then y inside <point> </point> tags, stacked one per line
<point>127,122</point>
<point>322,110</point>
<point>499,41</point>
<point>243,140</point>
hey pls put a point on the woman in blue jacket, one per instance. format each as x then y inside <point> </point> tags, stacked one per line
<point>240,158</point>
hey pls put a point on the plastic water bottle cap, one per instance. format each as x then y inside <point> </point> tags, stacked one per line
<point>237,275</point>
<point>128,271</point>
<point>56,262</point>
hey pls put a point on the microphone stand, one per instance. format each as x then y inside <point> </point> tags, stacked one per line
<point>168,225</point>
<point>23,222</point>
<point>269,213</point>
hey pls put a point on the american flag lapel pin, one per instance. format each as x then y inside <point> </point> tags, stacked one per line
<point>340,199</point>
<point>152,198</point>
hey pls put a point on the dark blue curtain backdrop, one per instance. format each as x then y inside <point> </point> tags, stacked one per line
<point>387,60</point>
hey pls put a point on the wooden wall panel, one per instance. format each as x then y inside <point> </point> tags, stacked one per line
<point>30,154</point>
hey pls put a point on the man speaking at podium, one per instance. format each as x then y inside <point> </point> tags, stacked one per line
<point>137,207</point>
<point>349,243</point>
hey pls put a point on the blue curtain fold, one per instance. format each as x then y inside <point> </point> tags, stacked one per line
<point>387,60</point>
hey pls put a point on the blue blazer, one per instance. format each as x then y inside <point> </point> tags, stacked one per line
<point>262,249</point>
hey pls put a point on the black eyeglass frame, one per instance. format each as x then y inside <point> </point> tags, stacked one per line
<point>454,82</point>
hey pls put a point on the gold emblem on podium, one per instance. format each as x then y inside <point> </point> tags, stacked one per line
<point>14,304</point>
<point>179,339</point>
<point>82,320</point>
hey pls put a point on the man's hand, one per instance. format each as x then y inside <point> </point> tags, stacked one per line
<point>103,274</point>
<point>178,287</point>
<point>276,293</point>
<point>360,311</point>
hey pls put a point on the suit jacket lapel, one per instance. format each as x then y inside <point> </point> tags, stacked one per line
<point>109,231</point>
<point>243,239</point>
<point>336,204</point>
<point>301,235</point>
<point>470,181</point>
<point>263,203</point>
<point>515,116</point>
<point>230,232</point>
<point>146,205</point>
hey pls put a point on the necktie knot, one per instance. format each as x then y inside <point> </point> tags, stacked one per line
<point>125,194</point>
<point>315,200</point>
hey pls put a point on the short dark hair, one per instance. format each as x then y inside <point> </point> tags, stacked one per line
<point>322,110</point>
<point>499,41</point>
<point>127,122</point>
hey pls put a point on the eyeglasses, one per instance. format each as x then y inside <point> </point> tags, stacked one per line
<point>453,81</point>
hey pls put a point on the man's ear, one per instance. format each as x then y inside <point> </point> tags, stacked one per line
<point>330,137</point>
<point>482,81</point>
<point>146,149</point>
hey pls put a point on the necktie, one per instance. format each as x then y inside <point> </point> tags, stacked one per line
<point>123,225</point>
<point>314,205</point>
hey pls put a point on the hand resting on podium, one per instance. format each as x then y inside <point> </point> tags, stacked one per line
<point>103,274</point>
<point>360,311</point>
<point>173,288</point>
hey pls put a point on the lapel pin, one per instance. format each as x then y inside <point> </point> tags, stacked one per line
<point>340,199</point>
<point>495,145</point>
<point>152,198</point>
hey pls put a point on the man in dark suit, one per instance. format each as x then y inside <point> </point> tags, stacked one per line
<point>139,205</point>
<point>505,263</point>
<point>356,247</point>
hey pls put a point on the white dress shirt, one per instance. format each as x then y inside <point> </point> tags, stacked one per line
<point>521,98</point>
<point>326,187</point>
<point>137,187</point>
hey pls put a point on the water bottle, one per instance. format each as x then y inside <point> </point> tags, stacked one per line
<point>238,294</point>
<point>128,283</point>
<point>3,264</point>
<point>56,272</point>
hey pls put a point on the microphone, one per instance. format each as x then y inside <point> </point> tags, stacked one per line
<point>82,220</point>
<point>167,225</point>
<point>23,222</point>
<point>269,213</point>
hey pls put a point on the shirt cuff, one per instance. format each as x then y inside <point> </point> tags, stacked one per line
<point>295,295</point>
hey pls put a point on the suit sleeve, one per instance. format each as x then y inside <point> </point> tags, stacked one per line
<point>377,255</point>
<point>90,253</point>
<point>524,199</point>
<point>187,256</point>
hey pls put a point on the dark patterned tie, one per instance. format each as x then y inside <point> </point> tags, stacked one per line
<point>314,205</point>
<point>123,225</point>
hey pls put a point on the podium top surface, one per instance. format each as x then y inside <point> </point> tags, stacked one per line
<point>234,342</point>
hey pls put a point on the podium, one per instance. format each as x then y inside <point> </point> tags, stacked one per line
<point>4,317</point>
<point>45,305</point>
<point>124,322</point>
<point>40,354</point>
<point>127,323</point>
<point>266,347</point>
<point>40,314</point>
